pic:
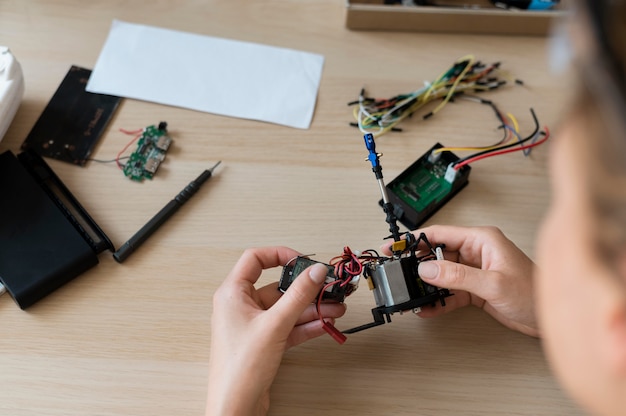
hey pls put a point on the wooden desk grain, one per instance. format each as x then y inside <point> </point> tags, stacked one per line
<point>133,339</point>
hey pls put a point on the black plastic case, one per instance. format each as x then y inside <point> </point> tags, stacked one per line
<point>46,237</point>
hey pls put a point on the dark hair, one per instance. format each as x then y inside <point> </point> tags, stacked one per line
<point>601,103</point>
<point>608,24</point>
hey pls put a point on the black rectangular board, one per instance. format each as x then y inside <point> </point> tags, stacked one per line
<point>72,121</point>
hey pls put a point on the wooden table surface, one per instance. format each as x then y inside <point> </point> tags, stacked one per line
<point>133,338</point>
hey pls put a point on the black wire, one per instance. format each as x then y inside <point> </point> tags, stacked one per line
<point>414,245</point>
<point>519,142</point>
<point>70,154</point>
<point>495,110</point>
<point>498,115</point>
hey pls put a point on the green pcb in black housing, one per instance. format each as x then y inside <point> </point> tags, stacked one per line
<point>422,189</point>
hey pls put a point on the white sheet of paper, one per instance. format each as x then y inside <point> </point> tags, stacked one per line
<point>215,75</point>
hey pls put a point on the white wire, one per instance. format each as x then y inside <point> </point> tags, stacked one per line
<point>410,97</point>
<point>362,111</point>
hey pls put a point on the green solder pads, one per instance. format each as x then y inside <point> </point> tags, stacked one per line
<point>151,148</point>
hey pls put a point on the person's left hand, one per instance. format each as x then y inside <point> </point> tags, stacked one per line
<point>252,328</point>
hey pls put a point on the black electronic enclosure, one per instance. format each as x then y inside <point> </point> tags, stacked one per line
<point>422,189</point>
<point>46,237</point>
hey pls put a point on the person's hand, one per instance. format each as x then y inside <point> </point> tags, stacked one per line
<point>252,328</point>
<point>481,268</point>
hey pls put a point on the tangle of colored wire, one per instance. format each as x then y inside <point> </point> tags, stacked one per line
<point>512,136</point>
<point>518,145</point>
<point>349,265</point>
<point>378,116</point>
<point>346,266</point>
<point>545,133</point>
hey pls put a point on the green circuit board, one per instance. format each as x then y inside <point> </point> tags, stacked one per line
<point>423,186</point>
<point>152,146</point>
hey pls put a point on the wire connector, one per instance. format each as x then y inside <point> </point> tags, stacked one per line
<point>451,173</point>
<point>434,157</point>
<point>334,332</point>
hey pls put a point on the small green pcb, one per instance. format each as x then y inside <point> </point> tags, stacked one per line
<point>151,148</point>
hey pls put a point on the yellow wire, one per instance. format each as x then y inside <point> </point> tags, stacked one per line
<point>514,120</point>
<point>460,149</point>
<point>435,91</point>
<point>470,63</point>
<point>443,74</point>
<point>436,85</point>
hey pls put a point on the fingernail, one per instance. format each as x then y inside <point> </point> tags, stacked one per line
<point>317,273</point>
<point>428,270</point>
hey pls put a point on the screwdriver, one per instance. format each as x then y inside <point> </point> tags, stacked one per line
<point>163,215</point>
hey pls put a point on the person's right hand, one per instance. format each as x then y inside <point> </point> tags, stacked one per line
<point>482,268</point>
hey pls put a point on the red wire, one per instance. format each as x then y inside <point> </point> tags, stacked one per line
<point>137,134</point>
<point>482,74</point>
<point>385,103</point>
<point>321,295</point>
<point>501,152</point>
<point>347,263</point>
<point>329,327</point>
<point>346,267</point>
<point>131,131</point>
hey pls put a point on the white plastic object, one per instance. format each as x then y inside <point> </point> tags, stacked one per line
<point>11,88</point>
<point>451,174</point>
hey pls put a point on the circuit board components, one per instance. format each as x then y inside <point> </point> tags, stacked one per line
<point>152,146</point>
<point>334,290</point>
<point>425,186</point>
<point>394,280</point>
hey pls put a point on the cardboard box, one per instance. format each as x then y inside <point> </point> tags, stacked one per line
<point>480,18</point>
